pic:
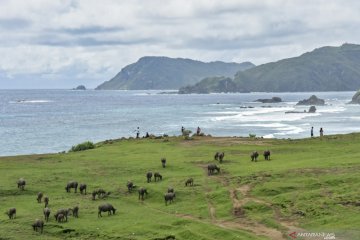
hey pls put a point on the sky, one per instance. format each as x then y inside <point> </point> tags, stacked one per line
<point>64,43</point>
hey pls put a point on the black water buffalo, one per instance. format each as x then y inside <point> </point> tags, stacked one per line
<point>169,197</point>
<point>75,211</point>
<point>100,192</point>
<point>38,224</point>
<point>142,191</point>
<point>46,201</point>
<point>107,207</point>
<point>39,197</point>
<point>21,183</point>
<point>72,184</point>
<point>170,189</point>
<point>47,213</point>
<point>11,213</point>
<point>267,154</point>
<point>82,188</point>
<point>61,218</point>
<point>189,182</point>
<point>62,212</point>
<point>212,168</point>
<point>163,162</point>
<point>157,176</point>
<point>130,185</point>
<point>221,157</point>
<point>216,157</point>
<point>254,155</point>
<point>149,176</point>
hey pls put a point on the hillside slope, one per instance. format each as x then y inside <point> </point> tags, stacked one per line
<point>168,73</point>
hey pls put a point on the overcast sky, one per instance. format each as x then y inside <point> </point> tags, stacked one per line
<point>64,43</point>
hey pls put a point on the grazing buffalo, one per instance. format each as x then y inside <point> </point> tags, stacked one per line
<point>212,168</point>
<point>61,218</point>
<point>46,213</point>
<point>70,185</point>
<point>149,176</point>
<point>21,183</point>
<point>107,207</point>
<point>189,182</point>
<point>46,201</point>
<point>254,155</point>
<point>170,189</point>
<point>75,211</point>
<point>38,225</point>
<point>267,154</point>
<point>82,188</point>
<point>39,197</point>
<point>157,176</point>
<point>221,157</point>
<point>130,185</point>
<point>169,197</point>
<point>11,213</point>
<point>163,162</point>
<point>100,192</point>
<point>142,191</point>
<point>216,157</point>
<point>63,212</point>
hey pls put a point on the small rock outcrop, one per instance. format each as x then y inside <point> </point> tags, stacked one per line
<point>356,98</point>
<point>269,100</point>
<point>313,100</point>
<point>80,87</point>
<point>312,109</point>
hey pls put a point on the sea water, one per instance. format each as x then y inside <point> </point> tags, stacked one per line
<point>43,121</point>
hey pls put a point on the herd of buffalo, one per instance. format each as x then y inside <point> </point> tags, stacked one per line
<point>61,215</point>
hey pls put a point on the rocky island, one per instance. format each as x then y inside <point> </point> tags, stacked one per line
<point>269,100</point>
<point>313,100</point>
<point>80,87</point>
<point>356,98</point>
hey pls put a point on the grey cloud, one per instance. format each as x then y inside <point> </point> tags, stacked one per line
<point>90,30</point>
<point>14,23</point>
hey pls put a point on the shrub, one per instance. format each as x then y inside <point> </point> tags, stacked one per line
<point>251,135</point>
<point>82,146</point>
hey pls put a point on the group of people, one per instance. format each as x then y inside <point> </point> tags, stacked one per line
<point>321,132</point>
<point>198,130</point>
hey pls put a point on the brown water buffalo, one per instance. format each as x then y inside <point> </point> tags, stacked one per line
<point>107,207</point>
<point>46,213</point>
<point>163,162</point>
<point>46,201</point>
<point>169,197</point>
<point>39,197</point>
<point>75,211</point>
<point>149,176</point>
<point>72,184</point>
<point>267,154</point>
<point>157,176</point>
<point>64,212</point>
<point>130,185</point>
<point>100,192</point>
<point>82,188</point>
<point>11,213</point>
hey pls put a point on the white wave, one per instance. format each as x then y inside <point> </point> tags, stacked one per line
<point>333,109</point>
<point>31,101</point>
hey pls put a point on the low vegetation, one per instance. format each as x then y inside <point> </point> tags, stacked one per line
<point>309,185</point>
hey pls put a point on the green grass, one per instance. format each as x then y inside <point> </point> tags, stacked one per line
<point>311,183</point>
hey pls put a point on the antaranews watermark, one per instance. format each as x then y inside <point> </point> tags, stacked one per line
<point>317,235</point>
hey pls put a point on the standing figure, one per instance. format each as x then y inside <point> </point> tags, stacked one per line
<point>182,129</point>
<point>198,130</point>
<point>137,132</point>
<point>321,132</point>
<point>312,132</point>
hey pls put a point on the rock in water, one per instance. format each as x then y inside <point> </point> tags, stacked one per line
<point>313,100</point>
<point>356,98</point>
<point>312,109</point>
<point>271,100</point>
<point>80,87</point>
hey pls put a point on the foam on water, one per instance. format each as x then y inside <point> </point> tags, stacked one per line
<point>31,101</point>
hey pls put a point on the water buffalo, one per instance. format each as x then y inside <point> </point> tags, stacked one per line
<point>46,201</point>
<point>163,162</point>
<point>38,224</point>
<point>254,155</point>
<point>149,176</point>
<point>107,207</point>
<point>70,185</point>
<point>75,211</point>
<point>157,176</point>
<point>189,182</point>
<point>267,154</point>
<point>46,213</point>
<point>100,192</point>
<point>212,168</point>
<point>216,157</point>
<point>11,213</point>
<point>82,188</point>
<point>61,218</point>
<point>142,191</point>
<point>170,189</point>
<point>169,197</point>
<point>130,185</point>
<point>221,157</point>
<point>39,197</point>
<point>64,212</point>
<point>21,183</point>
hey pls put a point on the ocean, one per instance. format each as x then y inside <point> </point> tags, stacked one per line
<point>47,121</point>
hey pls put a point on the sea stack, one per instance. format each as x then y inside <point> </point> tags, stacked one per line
<point>80,87</point>
<point>313,100</point>
<point>356,98</point>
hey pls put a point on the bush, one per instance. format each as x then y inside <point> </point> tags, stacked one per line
<point>251,135</point>
<point>82,146</point>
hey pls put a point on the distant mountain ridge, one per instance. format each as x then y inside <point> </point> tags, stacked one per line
<point>169,73</point>
<point>324,69</point>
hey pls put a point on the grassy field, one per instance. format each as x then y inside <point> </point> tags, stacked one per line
<point>309,185</point>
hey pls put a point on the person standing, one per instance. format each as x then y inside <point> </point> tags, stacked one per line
<point>198,131</point>
<point>137,132</point>
<point>321,132</point>
<point>312,132</point>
